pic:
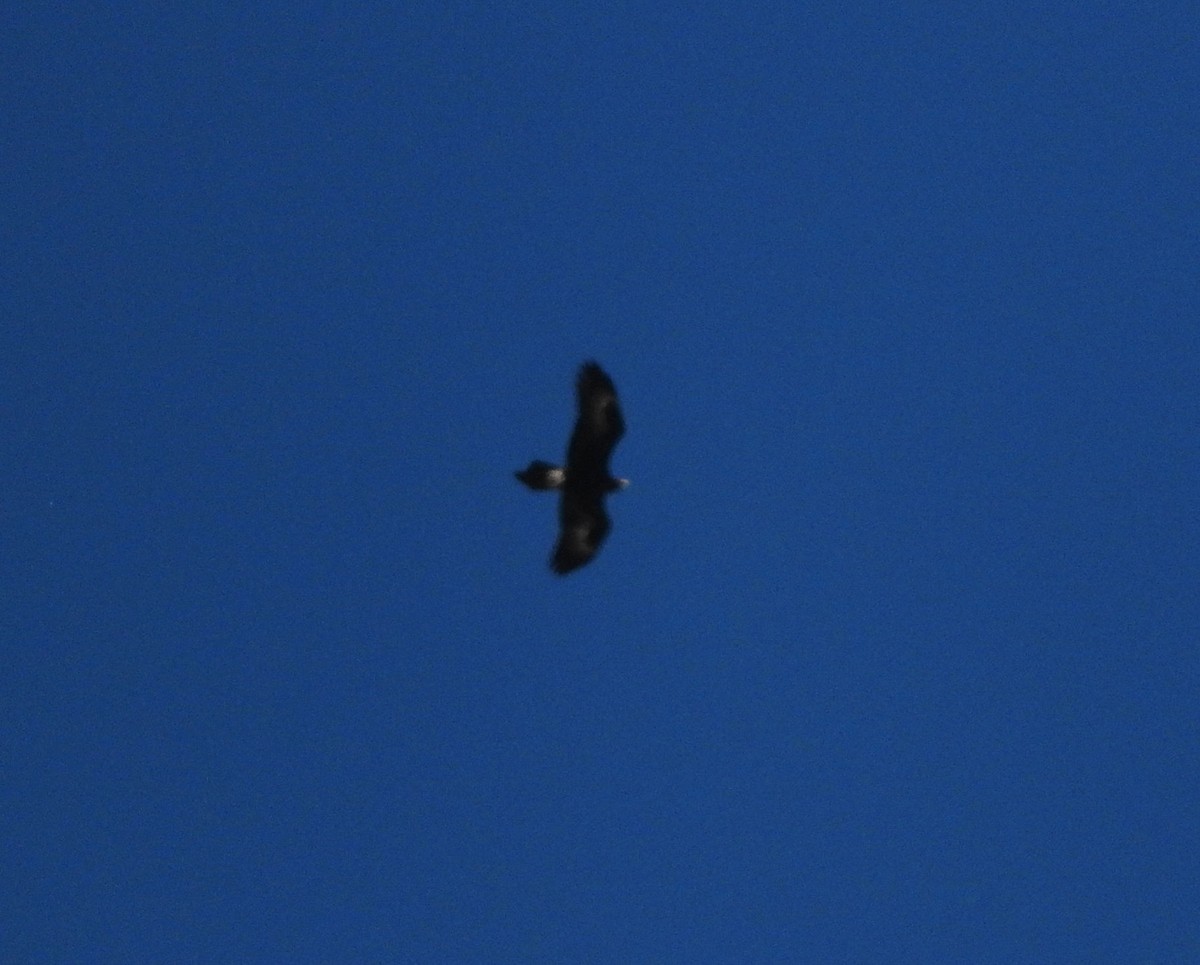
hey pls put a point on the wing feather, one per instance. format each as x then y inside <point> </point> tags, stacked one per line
<point>600,424</point>
<point>583,524</point>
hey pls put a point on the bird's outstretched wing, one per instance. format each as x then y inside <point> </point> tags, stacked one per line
<point>600,424</point>
<point>583,524</point>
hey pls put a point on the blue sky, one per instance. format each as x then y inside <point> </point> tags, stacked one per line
<point>892,653</point>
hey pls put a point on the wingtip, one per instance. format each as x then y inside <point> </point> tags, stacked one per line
<point>566,569</point>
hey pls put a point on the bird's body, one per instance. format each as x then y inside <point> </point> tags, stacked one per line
<point>585,480</point>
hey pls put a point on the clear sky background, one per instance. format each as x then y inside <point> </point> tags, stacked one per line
<point>892,653</point>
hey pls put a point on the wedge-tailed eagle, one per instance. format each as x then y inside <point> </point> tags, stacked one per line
<point>584,481</point>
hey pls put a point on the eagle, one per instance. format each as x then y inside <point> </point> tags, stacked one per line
<point>584,481</point>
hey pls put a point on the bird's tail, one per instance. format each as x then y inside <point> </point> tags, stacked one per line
<point>542,475</point>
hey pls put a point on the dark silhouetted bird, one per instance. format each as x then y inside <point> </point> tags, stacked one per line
<point>584,481</point>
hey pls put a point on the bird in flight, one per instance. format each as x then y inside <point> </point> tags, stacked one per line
<point>584,481</point>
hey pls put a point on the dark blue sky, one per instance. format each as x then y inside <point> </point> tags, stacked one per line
<point>892,653</point>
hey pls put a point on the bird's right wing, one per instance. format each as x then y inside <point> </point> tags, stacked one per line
<point>600,424</point>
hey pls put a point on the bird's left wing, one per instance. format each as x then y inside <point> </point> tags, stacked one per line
<point>583,524</point>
